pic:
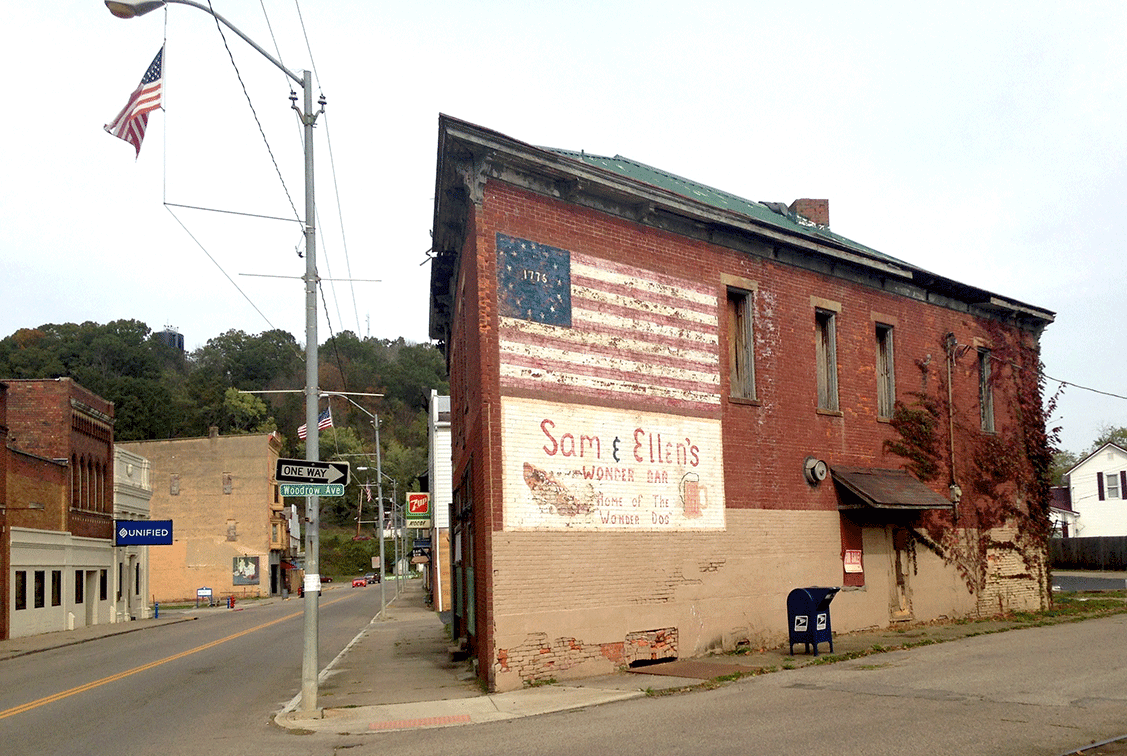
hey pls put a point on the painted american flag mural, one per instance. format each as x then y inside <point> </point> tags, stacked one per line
<point>637,443</point>
<point>600,329</point>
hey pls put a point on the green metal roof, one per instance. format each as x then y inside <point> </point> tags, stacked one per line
<point>774,213</point>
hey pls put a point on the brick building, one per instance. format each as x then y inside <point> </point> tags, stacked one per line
<point>229,522</point>
<point>57,520</point>
<point>670,406</point>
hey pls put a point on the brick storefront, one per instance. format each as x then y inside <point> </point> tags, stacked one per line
<point>670,406</point>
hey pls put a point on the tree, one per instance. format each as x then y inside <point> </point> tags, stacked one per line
<point>251,362</point>
<point>246,413</point>
<point>1110,434</point>
<point>1063,461</point>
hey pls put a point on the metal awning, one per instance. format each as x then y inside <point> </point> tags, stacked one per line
<point>884,489</point>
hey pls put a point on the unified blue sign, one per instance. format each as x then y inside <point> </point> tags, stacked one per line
<point>142,532</point>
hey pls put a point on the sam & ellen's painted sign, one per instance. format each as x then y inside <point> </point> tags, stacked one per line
<point>581,467</point>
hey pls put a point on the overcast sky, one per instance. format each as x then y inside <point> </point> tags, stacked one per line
<point>982,141</point>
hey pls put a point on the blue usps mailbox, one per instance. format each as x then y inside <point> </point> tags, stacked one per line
<point>142,532</point>
<point>808,612</point>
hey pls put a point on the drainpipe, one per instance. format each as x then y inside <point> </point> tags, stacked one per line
<point>955,490</point>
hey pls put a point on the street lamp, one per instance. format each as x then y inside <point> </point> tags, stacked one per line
<point>309,665</point>
<point>379,489</point>
<point>394,509</point>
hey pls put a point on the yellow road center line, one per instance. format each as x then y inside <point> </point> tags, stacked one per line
<point>121,675</point>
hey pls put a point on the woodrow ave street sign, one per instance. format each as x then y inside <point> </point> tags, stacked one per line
<point>312,489</point>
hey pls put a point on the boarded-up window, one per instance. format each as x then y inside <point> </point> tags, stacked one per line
<point>826,335</point>
<point>886,372</point>
<point>741,344</point>
<point>985,391</point>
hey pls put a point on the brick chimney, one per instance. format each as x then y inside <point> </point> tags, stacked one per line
<point>816,211</point>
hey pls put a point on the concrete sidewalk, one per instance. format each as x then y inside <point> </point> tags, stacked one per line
<point>398,674</point>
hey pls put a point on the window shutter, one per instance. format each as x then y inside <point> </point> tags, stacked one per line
<point>1100,484</point>
<point>1123,484</point>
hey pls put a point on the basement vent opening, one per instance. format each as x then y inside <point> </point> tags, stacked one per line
<point>651,662</point>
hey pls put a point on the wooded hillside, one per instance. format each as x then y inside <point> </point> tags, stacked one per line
<point>161,392</point>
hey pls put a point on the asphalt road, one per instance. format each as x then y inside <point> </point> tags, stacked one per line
<point>1088,583</point>
<point>208,686</point>
<point>1036,692</point>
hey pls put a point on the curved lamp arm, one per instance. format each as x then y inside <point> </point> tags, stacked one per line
<point>125,9</point>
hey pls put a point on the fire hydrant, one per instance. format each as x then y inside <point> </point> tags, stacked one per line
<point>230,602</point>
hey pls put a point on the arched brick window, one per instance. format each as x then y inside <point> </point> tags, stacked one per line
<point>98,489</point>
<point>75,482</point>
<point>87,484</point>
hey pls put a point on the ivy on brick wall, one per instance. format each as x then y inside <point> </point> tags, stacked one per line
<point>1004,476</point>
<point>917,424</point>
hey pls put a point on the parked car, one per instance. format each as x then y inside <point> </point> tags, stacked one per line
<point>371,578</point>
<point>326,579</point>
<point>359,582</point>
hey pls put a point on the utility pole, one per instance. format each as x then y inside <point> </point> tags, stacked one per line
<point>309,666</point>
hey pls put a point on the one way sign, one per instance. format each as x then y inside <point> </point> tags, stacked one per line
<point>302,471</point>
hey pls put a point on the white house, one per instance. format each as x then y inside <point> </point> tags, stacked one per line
<point>1098,489</point>
<point>1061,514</point>
<point>441,494</point>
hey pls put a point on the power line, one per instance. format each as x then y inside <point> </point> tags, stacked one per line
<point>1084,388</point>
<point>340,220</point>
<point>333,170</point>
<point>224,272</point>
<point>250,103</point>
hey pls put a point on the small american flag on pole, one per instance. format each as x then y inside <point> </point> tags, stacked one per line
<point>324,420</point>
<point>131,122</point>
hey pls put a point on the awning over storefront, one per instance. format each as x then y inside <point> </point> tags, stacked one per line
<point>866,487</point>
<point>289,566</point>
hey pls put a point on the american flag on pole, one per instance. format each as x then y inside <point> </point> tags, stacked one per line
<point>604,330</point>
<point>324,420</point>
<point>131,122</point>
